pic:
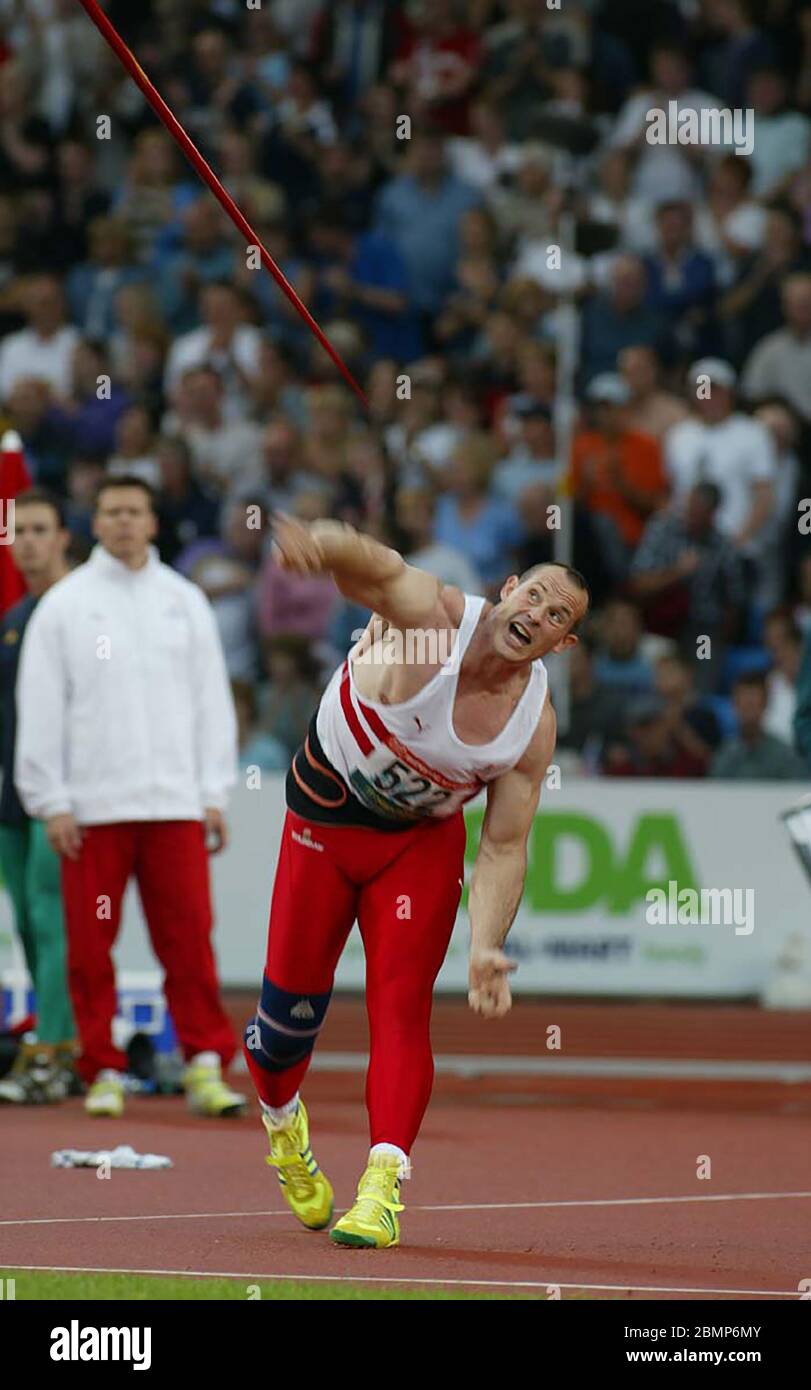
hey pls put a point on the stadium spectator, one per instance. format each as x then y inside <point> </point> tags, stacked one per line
<point>783,641</point>
<point>752,307</point>
<point>484,157</point>
<point>693,724</point>
<point>218,93</point>
<point>730,223</point>
<point>782,138</point>
<point>43,1070</point>
<point>93,285</point>
<point>225,451</point>
<point>414,517</point>
<point>753,754</point>
<point>275,387</point>
<point>526,206</point>
<point>681,279</point>
<point>138,345</point>
<point>127,750</point>
<point>420,212</point>
<point>84,478</point>
<point>355,42</point>
<point>661,170</point>
<point>596,710</point>
<point>290,604</point>
<point>408,438</point>
<point>134,454</point>
<point>263,201</point>
<point>285,710</point>
<point>205,256</point>
<point>687,576</point>
<point>781,533</point>
<point>740,49</point>
<point>616,474</point>
<point>436,65</point>
<point>780,363</point>
<point>366,273</point>
<point>611,205</point>
<point>79,201</point>
<point>281,472</point>
<point>650,410</point>
<point>620,663</point>
<point>653,744</point>
<point>89,420</point>
<point>226,567</point>
<point>531,462</point>
<point>186,510</point>
<point>225,341</point>
<point>471,518</point>
<point>473,299</point>
<point>26,148</point>
<point>721,445</point>
<point>620,317</point>
<point>31,412</point>
<point>153,194</point>
<point>515,68</point>
<point>44,349</point>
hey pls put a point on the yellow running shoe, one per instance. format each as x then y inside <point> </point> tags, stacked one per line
<point>206,1092</point>
<point>106,1095</point>
<point>372,1221</point>
<point>306,1190</point>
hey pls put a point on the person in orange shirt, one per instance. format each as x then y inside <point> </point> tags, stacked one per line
<point>616,473</point>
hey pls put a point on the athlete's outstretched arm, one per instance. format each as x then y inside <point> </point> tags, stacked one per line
<point>364,571</point>
<point>497,884</point>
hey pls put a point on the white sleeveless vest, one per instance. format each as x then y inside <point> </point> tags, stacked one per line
<point>405,761</point>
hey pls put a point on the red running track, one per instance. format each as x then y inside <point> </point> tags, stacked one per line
<point>517,1185</point>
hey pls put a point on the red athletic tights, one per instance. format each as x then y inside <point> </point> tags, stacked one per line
<point>403,888</point>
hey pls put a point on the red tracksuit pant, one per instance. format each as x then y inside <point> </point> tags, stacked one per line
<point>403,888</point>
<point>170,864</point>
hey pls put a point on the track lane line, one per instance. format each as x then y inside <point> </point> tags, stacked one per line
<point>452,1206</point>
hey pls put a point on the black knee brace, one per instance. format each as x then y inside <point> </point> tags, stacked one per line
<point>285,1026</point>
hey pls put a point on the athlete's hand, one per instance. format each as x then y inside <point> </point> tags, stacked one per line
<point>64,835</point>
<point>295,547</point>
<point>216,830</point>
<point>489,992</point>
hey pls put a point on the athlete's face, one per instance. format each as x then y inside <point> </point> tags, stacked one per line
<point>536,617</point>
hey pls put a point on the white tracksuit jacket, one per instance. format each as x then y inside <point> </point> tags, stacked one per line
<point>123,704</point>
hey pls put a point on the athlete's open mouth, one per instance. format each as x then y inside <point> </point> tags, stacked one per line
<point>520,633</point>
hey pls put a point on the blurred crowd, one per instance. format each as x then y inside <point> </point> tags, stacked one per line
<point>422,247</point>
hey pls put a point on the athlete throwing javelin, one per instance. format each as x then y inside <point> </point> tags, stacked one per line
<point>443,695</point>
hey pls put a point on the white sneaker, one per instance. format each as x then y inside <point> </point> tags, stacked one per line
<point>106,1095</point>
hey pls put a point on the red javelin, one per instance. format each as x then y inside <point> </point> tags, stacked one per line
<point>208,176</point>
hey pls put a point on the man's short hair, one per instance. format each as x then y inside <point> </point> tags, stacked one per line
<point>579,580</point>
<point>43,497</point>
<point>751,679</point>
<point>119,480</point>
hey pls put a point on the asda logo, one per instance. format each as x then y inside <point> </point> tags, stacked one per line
<point>576,862</point>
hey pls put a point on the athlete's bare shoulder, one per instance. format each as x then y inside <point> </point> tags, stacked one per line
<point>538,753</point>
<point>452,601</point>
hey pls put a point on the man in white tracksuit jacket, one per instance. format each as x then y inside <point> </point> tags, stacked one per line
<point>127,750</point>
